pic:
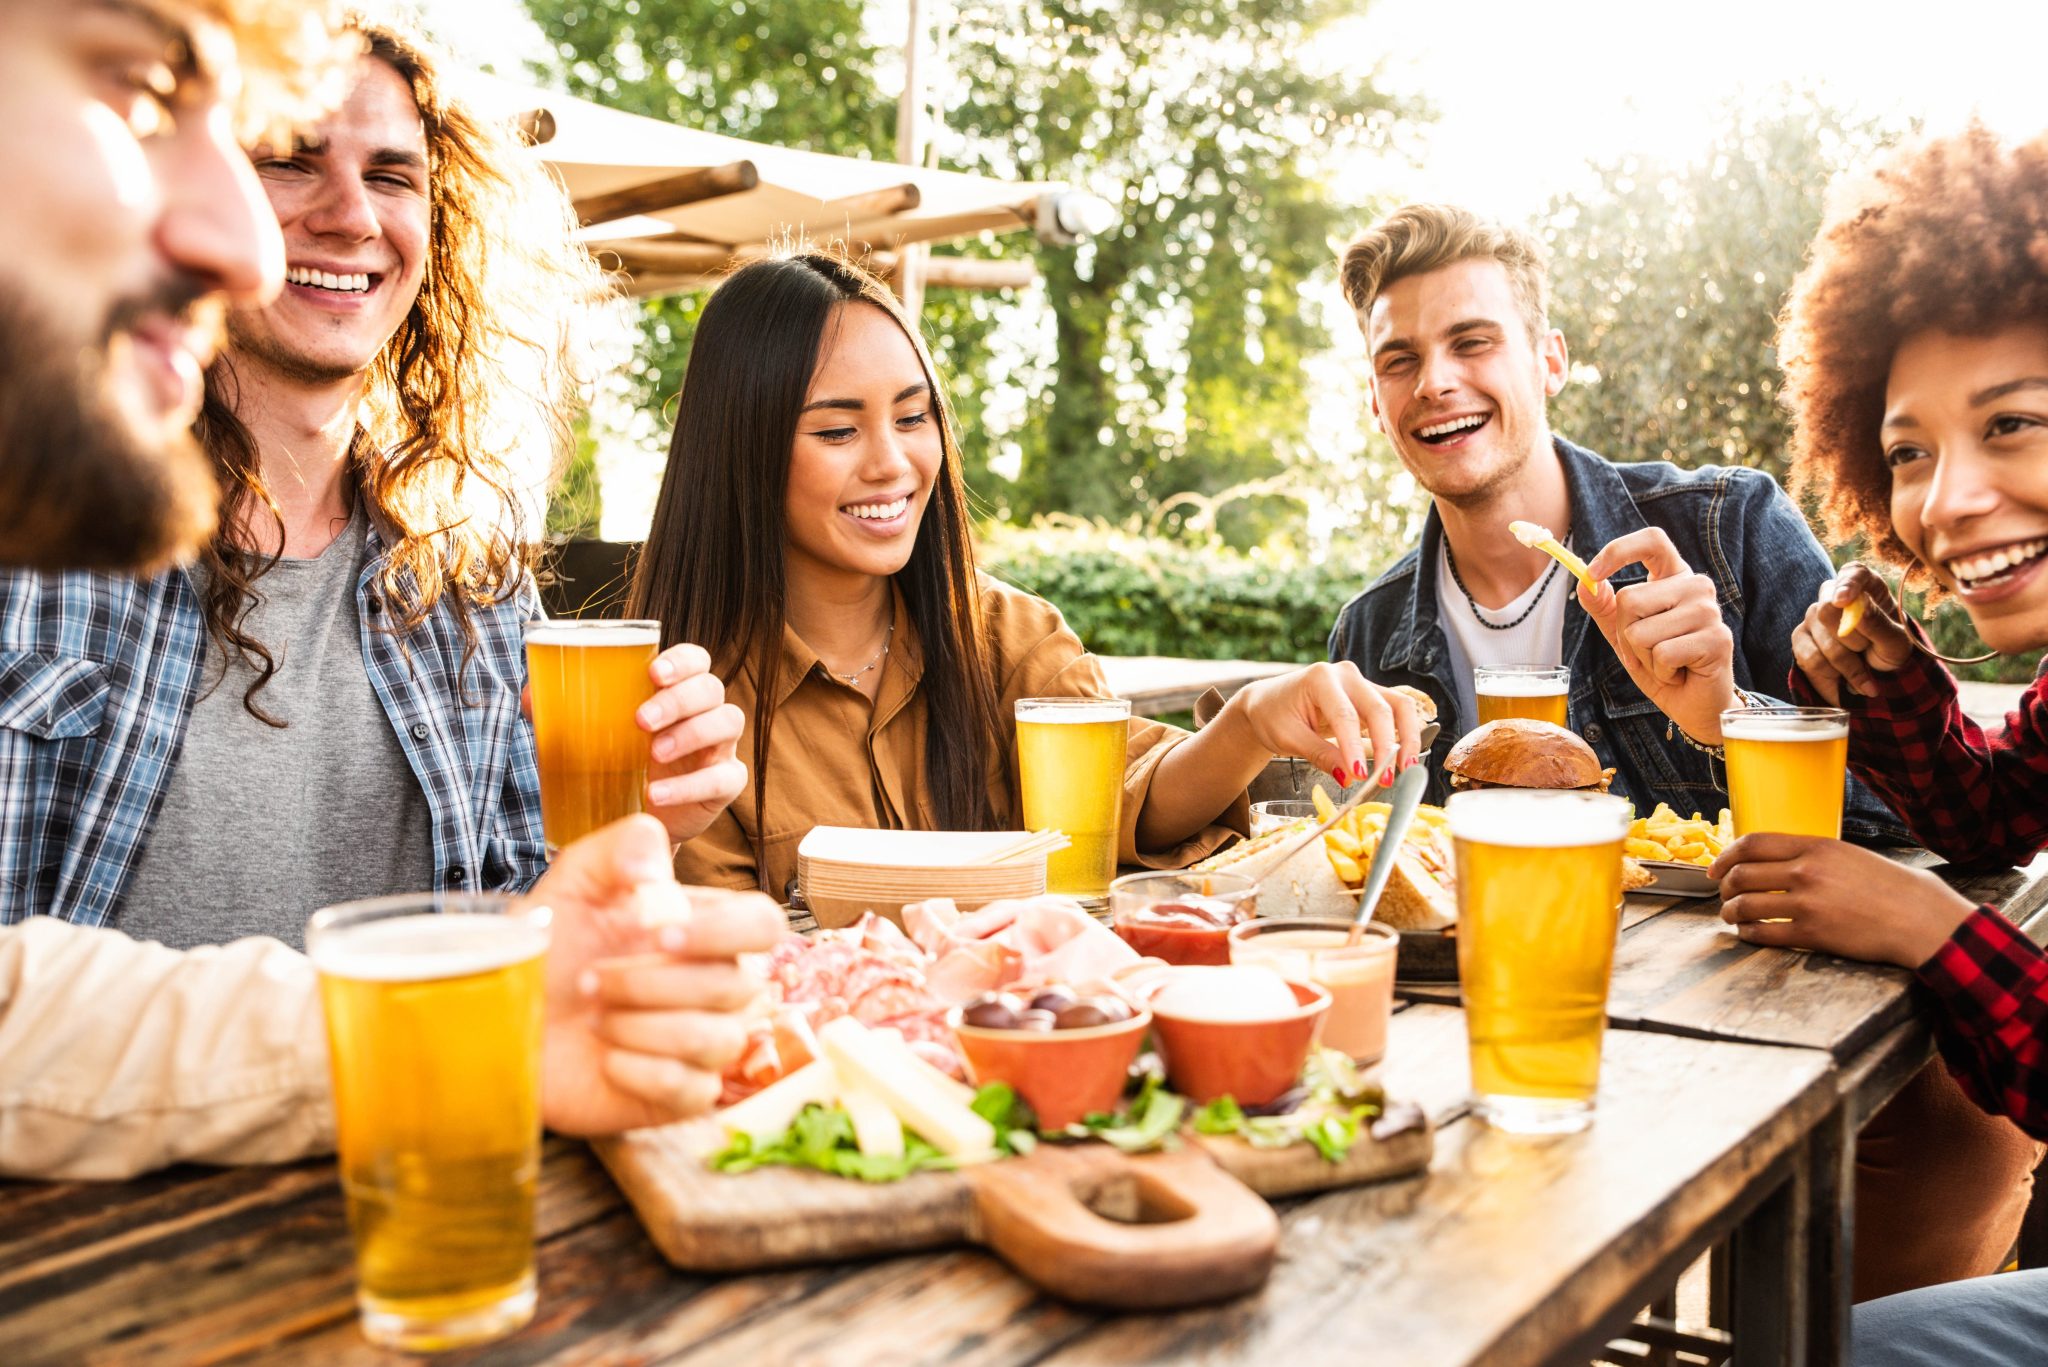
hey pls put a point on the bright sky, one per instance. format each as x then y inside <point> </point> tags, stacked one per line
<point>1528,94</point>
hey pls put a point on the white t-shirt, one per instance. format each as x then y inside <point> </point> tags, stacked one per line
<point>1537,639</point>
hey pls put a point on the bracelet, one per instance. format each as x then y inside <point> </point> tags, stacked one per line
<point>1673,731</point>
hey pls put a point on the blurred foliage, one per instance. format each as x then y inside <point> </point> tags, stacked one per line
<point>1125,591</point>
<point>1667,280</point>
<point>1179,336</point>
<point>576,501</point>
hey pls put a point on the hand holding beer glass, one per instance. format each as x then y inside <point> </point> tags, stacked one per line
<point>589,677</point>
<point>1534,692</point>
<point>1787,769</point>
<point>1539,909</point>
<point>1070,759</point>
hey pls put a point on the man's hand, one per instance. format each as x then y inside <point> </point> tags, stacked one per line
<point>1807,892</point>
<point>692,769</point>
<point>1667,631</point>
<point>1325,713</point>
<point>642,1015</point>
<point>1876,642</point>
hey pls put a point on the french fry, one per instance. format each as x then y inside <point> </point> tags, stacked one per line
<point>1852,617</point>
<point>1539,539</point>
<point>1347,868</point>
<point>1645,849</point>
<point>1664,836</point>
<point>1324,807</point>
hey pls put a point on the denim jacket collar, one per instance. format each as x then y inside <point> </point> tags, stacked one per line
<point>1601,511</point>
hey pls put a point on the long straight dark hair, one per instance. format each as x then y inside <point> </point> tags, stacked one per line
<point>712,568</point>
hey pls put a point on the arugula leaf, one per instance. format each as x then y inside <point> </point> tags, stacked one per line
<point>1221,1116</point>
<point>1154,1115</point>
<point>822,1137</point>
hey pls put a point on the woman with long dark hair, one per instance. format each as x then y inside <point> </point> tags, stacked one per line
<point>812,533</point>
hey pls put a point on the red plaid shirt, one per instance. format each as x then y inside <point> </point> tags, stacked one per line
<point>1973,797</point>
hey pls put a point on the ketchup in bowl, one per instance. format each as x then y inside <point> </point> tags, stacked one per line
<point>1184,929</point>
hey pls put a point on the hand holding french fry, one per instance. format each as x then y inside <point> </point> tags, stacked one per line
<point>1667,631</point>
<point>1852,632</point>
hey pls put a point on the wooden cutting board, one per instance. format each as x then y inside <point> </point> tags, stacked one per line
<point>1083,1221</point>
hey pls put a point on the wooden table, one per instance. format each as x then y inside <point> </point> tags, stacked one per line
<point>1730,1094</point>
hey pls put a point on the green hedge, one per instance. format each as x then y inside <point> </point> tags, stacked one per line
<point>1129,594</point>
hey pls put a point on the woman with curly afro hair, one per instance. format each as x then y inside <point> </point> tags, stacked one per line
<point>1915,348</point>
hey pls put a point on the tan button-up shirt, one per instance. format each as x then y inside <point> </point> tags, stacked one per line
<point>834,759</point>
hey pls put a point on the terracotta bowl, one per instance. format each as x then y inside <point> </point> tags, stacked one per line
<point>1252,1061</point>
<point>1062,1074</point>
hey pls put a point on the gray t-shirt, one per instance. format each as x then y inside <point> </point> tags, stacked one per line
<point>261,826</point>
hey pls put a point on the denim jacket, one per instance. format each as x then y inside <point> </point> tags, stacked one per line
<point>1732,523</point>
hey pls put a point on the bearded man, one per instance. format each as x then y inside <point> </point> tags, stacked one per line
<point>132,215</point>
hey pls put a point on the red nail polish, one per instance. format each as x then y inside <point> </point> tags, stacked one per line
<point>1386,777</point>
<point>1338,774</point>
<point>1358,767</point>
<point>1411,761</point>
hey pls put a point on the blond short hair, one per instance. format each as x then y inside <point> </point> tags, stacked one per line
<point>1416,239</point>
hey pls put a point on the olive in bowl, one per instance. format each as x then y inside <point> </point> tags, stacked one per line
<point>1066,1053</point>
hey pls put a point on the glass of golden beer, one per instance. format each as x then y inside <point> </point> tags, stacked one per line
<point>1535,692</point>
<point>1787,767</point>
<point>434,1033</point>
<point>1539,907</point>
<point>1070,757</point>
<point>589,677</point>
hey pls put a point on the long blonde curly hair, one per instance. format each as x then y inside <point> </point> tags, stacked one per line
<point>483,365</point>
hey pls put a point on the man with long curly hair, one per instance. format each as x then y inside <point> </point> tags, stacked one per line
<point>131,211</point>
<point>1915,348</point>
<point>328,705</point>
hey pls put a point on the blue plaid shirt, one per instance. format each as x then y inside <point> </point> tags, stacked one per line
<point>98,675</point>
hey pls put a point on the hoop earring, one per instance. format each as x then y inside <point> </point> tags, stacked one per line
<point>1899,596</point>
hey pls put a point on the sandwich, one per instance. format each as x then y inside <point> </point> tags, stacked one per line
<point>1323,877</point>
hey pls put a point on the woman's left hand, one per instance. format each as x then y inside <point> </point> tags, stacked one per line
<point>693,771</point>
<point>1299,714</point>
<point>1805,892</point>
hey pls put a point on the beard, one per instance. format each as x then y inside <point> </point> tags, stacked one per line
<point>82,487</point>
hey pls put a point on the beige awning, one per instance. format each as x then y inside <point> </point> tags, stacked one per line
<point>670,206</point>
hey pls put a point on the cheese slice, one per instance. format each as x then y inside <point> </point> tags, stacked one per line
<point>875,1127</point>
<point>908,1089</point>
<point>767,1113</point>
<point>892,1040</point>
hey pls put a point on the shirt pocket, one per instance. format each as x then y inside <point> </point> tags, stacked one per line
<point>51,697</point>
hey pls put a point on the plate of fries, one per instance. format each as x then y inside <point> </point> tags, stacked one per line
<point>1677,850</point>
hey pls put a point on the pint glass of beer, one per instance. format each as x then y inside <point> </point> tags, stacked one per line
<point>1787,767</point>
<point>589,677</point>
<point>1535,692</point>
<point>1070,756</point>
<point>434,1031</point>
<point>1539,907</point>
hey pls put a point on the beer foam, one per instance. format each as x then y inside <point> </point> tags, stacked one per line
<point>1767,727</point>
<point>1071,714</point>
<point>430,945</point>
<point>604,634</point>
<point>1517,686</point>
<point>1537,817</point>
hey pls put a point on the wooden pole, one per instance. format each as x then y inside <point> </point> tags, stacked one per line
<point>688,187</point>
<point>909,151</point>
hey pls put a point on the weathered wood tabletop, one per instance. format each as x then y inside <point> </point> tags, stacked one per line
<point>1728,1089</point>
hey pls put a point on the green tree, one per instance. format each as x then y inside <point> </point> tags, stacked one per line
<point>1179,336</point>
<point>1667,280</point>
